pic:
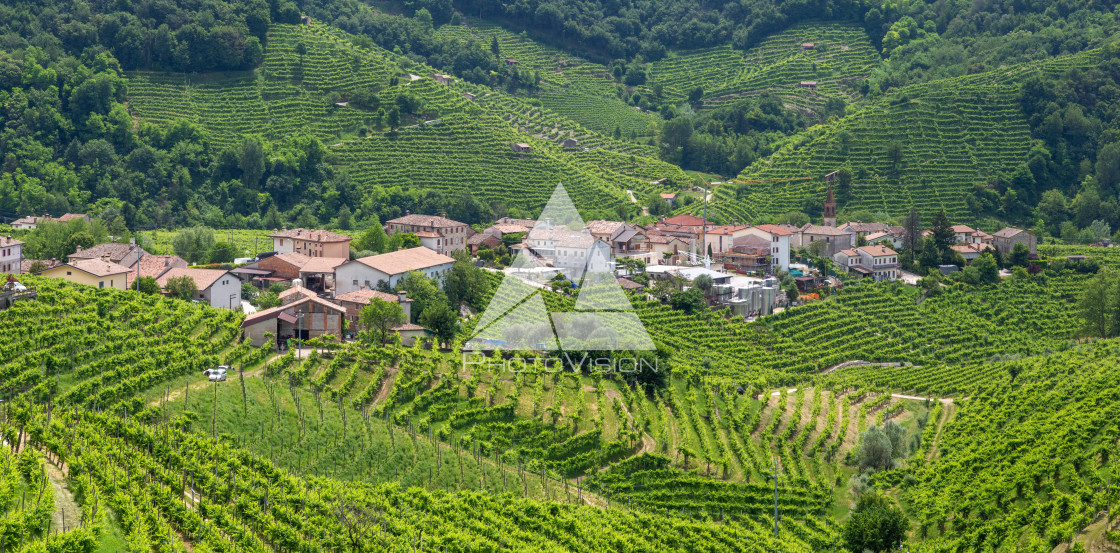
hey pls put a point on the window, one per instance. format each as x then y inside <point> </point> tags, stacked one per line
<point>101,284</point>
<point>355,282</point>
<point>67,273</point>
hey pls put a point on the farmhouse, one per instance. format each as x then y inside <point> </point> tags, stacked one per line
<point>437,233</point>
<point>1006,238</point>
<point>217,287</point>
<point>441,78</point>
<point>101,273</point>
<point>312,243</point>
<point>11,253</point>
<point>390,268</point>
<point>522,148</point>
<point>356,300</point>
<point>306,318</point>
<point>811,85</point>
<point>971,251</point>
<point>569,143</point>
<point>483,239</point>
<point>285,265</point>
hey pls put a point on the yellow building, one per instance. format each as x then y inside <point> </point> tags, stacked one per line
<point>91,272</point>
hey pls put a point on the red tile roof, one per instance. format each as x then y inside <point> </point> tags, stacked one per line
<point>403,261</point>
<point>774,229</point>
<point>203,278</point>
<point>311,235</point>
<point>322,264</point>
<point>685,220</point>
<point>276,311</point>
<point>418,220</point>
<point>366,296</point>
<point>97,267</point>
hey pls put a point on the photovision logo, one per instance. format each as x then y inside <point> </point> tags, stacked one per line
<point>603,319</point>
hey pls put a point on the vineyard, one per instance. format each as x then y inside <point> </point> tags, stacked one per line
<point>840,53</point>
<point>952,133</point>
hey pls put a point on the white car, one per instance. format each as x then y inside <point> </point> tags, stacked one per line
<point>217,375</point>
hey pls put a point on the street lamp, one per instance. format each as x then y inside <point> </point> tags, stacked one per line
<point>299,334</point>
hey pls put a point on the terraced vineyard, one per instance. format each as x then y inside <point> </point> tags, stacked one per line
<point>955,133</point>
<point>840,53</point>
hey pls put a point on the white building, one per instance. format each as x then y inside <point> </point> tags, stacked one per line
<point>391,267</point>
<point>11,253</point>
<point>779,243</point>
<point>878,262</point>
<point>217,287</point>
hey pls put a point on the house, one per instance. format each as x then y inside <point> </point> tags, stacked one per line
<point>685,220</point>
<point>890,238</point>
<point>833,238</point>
<point>469,96</point>
<point>154,265</point>
<point>318,273</point>
<point>811,85</point>
<point>719,239</point>
<point>780,241</point>
<point>749,253</point>
<point>562,248</point>
<point>284,265</point>
<point>306,318</point>
<point>858,228</point>
<point>25,265</point>
<point>305,19</point>
<point>312,243</point>
<point>877,262</point>
<point>522,148</point>
<point>28,223</point>
<point>101,273</point>
<point>124,254</point>
<point>444,235</point>
<point>964,234</point>
<point>1006,238</point>
<point>390,268</point>
<point>630,285</point>
<point>511,62</point>
<point>11,255</point>
<point>665,246</point>
<point>669,198</point>
<point>971,251</point>
<point>32,222</point>
<point>501,229</point>
<point>216,287</point>
<point>356,300</point>
<point>441,78</point>
<point>807,45</point>
<point>569,143</point>
<point>527,223</point>
<point>474,243</point>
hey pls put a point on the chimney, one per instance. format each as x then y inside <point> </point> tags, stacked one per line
<point>132,241</point>
<point>548,223</point>
<point>105,258</point>
<point>166,260</point>
<point>443,214</point>
<point>285,229</point>
<point>403,300</point>
<point>79,248</point>
<point>408,212</point>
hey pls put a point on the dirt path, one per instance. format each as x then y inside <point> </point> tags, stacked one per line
<point>947,413</point>
<point>204,383</point>
<point>66,515</point>
<point>387,386</point>
<point>649,444</point>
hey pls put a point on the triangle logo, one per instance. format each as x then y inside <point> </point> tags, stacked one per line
<point>559,243</point>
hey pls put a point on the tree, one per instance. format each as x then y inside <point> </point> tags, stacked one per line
<point>894,154</point>
<point>1096,304</point>
<point>402,241</point>
<point>301,49</point>
<point>874,525</point>
<point>465,284</point>
<point>987,268</point>
<point>690,301</point>
<point>913,228</point>
<point>147,285</point>
<point>875,449</point>
<point>251,161</point>
<point>37,267</point>
<point>861,240</point>
<point>393,119</point>
<point>193,244</point>
<point>844,185</point>
<point>81,238</point>
<point>183,287</point>
<point>441,320</point>
<point>373,239</point>
<point>423,291</point>
<point>942,231</point>
<point>704,283</point>
<point>495,48</point>
<point>379,317</point>
<point>930,257</point>
<point>1020,254</point>
<point>897,435</point>
<point>222,252</point>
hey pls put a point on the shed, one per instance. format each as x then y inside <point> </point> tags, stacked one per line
<point>522,148</point>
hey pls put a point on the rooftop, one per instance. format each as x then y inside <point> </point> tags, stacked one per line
<point>311,235</point>
<point>366,296</point>
<point>322,264</point>
<point>1007,232</point>
<point>877,250</point>
<point>6,241</point>
<point>114,250</point>
<point>774,229</point>
<point>97,267</point>
<point>418,220</point>
<point>403,261</point>
<point>203,278</point>
<point>276,311</point>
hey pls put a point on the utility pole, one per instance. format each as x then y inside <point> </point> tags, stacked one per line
<point>299,334</point>
<point>704,229</point>
<point>775,498</point>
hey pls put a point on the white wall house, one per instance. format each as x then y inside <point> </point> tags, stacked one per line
<point>779,243</point>
<point>217,287</point>
<point>878,262</point>
<point>365,273</point>
<point>10,255</point>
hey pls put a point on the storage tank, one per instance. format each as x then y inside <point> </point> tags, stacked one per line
<point>740,307</point>
<point>768,294</point>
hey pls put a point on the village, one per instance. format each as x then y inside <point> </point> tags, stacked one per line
<point>322,287</point>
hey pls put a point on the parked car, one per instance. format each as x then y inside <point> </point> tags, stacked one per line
<point>206,372</point>
<point>217,375</point>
